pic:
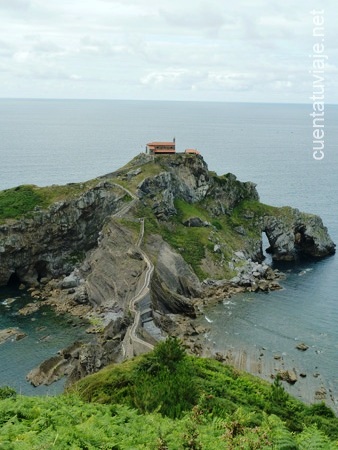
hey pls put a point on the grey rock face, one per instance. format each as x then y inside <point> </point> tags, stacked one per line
<point>174,284</point>
<point>189,179</point>
<point>161,190</point>
<point>112,271</point>
<point>48,244</point>
<point>71,281</point>
<point>297,234</point>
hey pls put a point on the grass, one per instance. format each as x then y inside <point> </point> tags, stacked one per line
<point>190,243</point>
<point>196,244</point>
<point>131,224</point>
<point>21,200</point>
<point>187,210</point>
<point>148,170</point>
<point>172,384</point>
<point>166,400</point>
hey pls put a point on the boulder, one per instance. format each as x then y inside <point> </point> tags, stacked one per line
<point>135,254</point>
<point>288,375</point>
<point>217,248</point>
<point>303,347</point>
<point>71,281</point>
<point>195,222</point>
<point>240,230</point>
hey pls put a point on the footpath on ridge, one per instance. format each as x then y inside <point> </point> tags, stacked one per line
<point>132,344</point>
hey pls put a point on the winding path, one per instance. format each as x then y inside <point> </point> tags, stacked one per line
<point>132,344</point>
<point>126,207</point>
<point>142,293</point>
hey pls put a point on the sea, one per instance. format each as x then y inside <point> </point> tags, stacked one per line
<point>46,142</point>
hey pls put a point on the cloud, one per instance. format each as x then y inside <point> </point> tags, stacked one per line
<point>176,79</point>
<point>94,46</point>
<point>197,49</point>
<point>33,71</point>
<point>228,85</point>
<point>15,4</point>
<point>6,49</point>
<point>226,81</point>
<point>197,18</point>
<point>47,47</point>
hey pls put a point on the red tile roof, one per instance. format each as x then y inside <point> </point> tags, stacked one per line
<point>160,143</point>
<point>193,151</point>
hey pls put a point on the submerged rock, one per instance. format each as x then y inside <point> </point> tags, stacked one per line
<point>303,347</point>
<point>11,334</point>
<point>321,393</point>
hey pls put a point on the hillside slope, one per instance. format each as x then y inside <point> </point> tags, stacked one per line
<point>167,400</point>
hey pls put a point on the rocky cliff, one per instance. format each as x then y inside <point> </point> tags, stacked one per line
<point>294,234</point>
<point>87,252</point>
<point>188,178</point>
<point>48,243</point>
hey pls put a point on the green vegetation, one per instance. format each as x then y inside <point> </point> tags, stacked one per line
<point>21,200</point>
<point>147,170</point>
<point>18,201</point>
<point>132,225</point>
<point>174,384</point>
<point>191,243</point>
<point>166,400</point>
<point>195,244</point>
<point>255,208</point>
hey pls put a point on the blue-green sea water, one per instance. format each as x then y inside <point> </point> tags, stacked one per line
<point>46,334</point>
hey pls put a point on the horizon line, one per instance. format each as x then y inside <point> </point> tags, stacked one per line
<point>161,100</point>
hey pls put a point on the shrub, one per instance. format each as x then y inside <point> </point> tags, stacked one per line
<point>7,392</point>
<point>18,201</point>
<point>169,353</point>
<point>320,409</point>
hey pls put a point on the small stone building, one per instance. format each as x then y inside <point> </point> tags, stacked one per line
<point>161,148</point>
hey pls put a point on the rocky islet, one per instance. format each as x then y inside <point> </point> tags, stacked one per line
<point>82,255</point>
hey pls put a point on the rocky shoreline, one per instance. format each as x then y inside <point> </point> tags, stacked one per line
<point>64,296</point>
<point>82,256</point>
<point>309,387</point>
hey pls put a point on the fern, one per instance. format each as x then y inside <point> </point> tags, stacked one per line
<point>281,437</point>
<point>313,439</point>
<point>218,423</point>
<point>285,441</point>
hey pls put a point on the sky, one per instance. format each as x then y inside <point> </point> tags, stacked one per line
<point>214,50</point>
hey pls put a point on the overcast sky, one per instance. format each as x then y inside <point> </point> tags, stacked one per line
<point>244,50</point>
